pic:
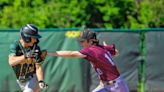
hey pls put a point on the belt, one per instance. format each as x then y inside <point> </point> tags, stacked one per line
<point>111,82</point>
<point>25,78</point>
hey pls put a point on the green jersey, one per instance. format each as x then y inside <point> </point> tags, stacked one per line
<point>27,67</point>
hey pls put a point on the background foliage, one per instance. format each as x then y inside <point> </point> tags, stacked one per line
<point>77,13</point>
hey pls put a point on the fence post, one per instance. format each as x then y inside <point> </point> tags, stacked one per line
<point>142,64</point>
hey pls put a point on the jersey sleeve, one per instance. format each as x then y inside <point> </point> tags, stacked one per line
<point>12,49</point>
<point>84,51</point>
<point>111,49</point>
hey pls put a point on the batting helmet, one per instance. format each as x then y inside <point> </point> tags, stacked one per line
<point>87,35</point>
<point>29,31</point>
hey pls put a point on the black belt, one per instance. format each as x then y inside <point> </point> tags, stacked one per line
<point>111,82</point>
<point>25,78</point>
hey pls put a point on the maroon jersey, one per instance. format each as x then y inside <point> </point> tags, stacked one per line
<point>101,59</point>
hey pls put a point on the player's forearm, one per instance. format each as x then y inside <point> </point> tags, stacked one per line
<point>70,54</point>
<point>60,53</point>
<point>14,60</point>
<point>51,53</point>
<point>39,72</point>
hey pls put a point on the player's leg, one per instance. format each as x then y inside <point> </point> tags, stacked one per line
<point>21,84</point>
<point>37,89</point>
<point>32,85</point>
<point>119,86</point>
<point>122,86</point>
<point>99,88</point>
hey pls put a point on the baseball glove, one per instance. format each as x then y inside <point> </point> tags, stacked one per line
<point>40,57</point>
<point>43,54</point>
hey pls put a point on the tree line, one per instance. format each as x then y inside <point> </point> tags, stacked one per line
<point>77,13</point>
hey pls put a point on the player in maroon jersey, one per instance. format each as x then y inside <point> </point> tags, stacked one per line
<point>100,57</point>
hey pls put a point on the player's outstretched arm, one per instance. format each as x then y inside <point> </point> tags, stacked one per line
<point>70,54</point>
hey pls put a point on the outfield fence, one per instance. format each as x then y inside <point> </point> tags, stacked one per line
<point>140,59</point>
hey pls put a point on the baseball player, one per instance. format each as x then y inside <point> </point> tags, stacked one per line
<point>100,57</point>
<point>26,58</point>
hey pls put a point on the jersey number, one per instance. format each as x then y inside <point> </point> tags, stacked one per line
<point>108,56</point>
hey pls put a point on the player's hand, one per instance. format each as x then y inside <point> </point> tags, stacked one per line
<point>43,85</point>
<point>29,59</point>
<point>117,53</point>
<point>104,43</point>
<point>29,54</point>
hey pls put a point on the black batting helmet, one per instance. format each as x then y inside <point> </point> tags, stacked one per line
<point>29,31</point>
<point>87,35</point>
